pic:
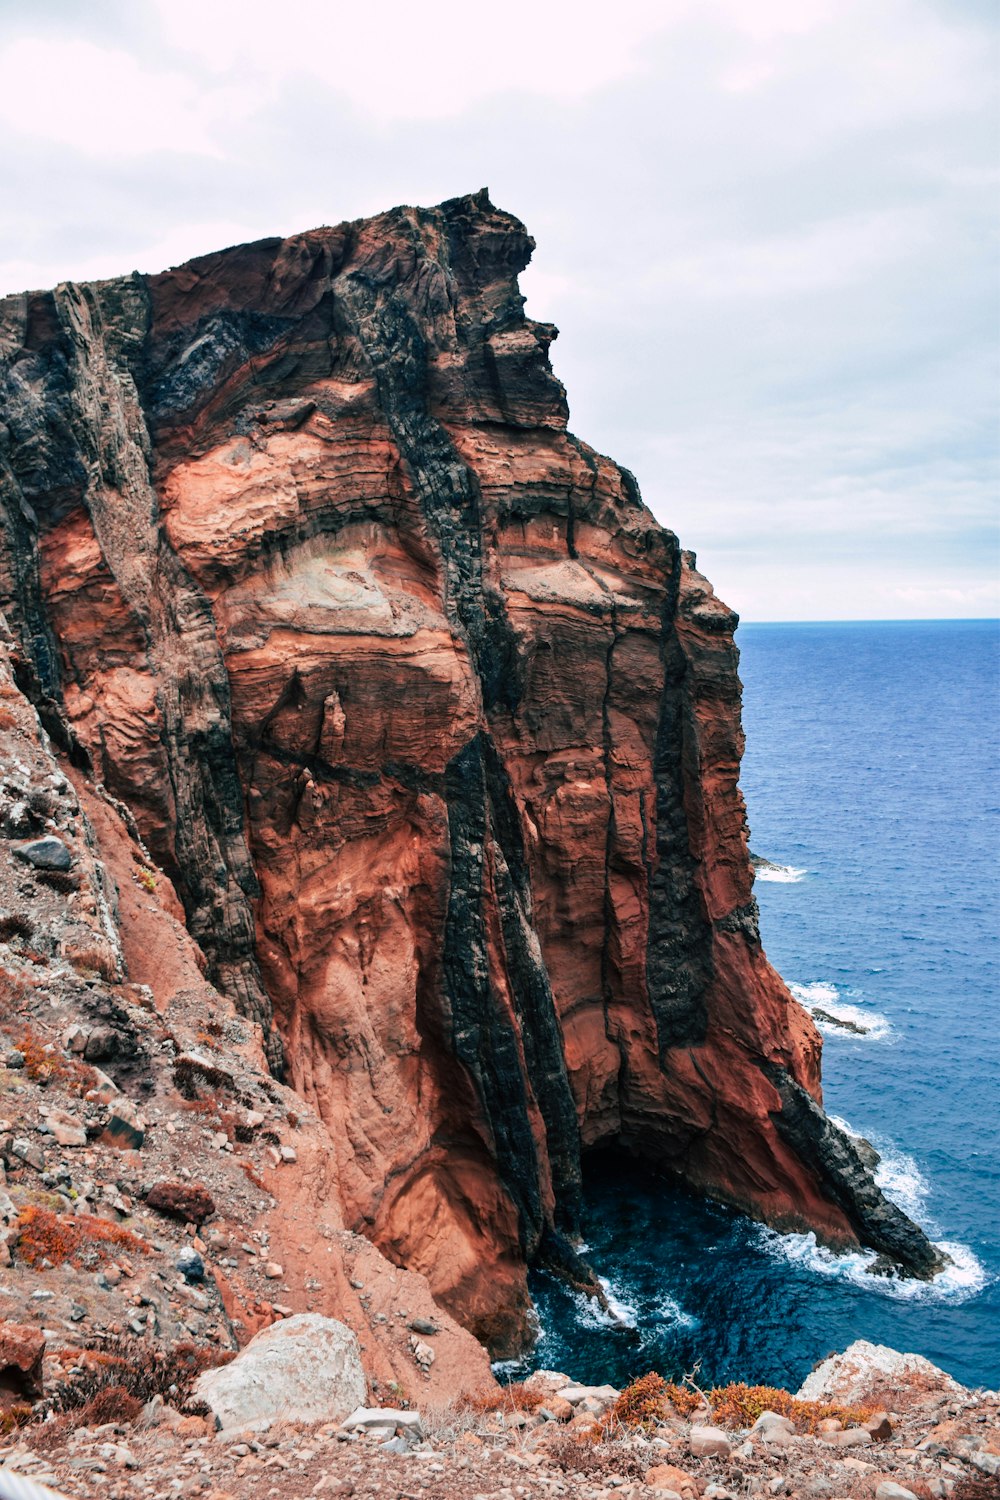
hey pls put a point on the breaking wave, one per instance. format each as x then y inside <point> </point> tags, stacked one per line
<point>779,874</point>
<point>836,1016</point>
<point>903,1183</point>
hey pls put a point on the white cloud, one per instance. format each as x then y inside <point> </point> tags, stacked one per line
<point>764,229</point>
<point>103,101</point>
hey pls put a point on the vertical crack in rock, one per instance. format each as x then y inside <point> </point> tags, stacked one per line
<point>678,955</point>
<point>104,430</point>
<point>483,1036</point>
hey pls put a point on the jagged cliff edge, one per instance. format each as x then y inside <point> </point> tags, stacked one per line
<point>433,727</point>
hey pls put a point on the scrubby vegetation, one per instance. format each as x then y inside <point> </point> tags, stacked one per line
<point>651,1399</point>
<point>78,1238</point>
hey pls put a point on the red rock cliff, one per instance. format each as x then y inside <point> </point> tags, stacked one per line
<point>435,729</point>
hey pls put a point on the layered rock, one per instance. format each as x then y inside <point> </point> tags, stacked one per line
<point>435,729</point>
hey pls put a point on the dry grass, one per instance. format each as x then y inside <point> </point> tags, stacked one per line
<point>77,1238</point>
<point>505,1398</point>
<point>43,1065</point>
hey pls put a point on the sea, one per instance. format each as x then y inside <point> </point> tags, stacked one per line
<point>872,781</point>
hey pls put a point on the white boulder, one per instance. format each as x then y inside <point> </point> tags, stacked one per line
<point>303,1369</point>
<point>850,1377</point>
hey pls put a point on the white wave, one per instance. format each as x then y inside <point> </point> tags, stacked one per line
<point>670,1311</point>
<point>780,874</point>
<point>903,1183</point>
<point>619,1312</point>
<point>897,1174</point>
<point>963,1278</point>
<point>839,1015</point>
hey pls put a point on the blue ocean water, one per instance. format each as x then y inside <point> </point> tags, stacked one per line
<point>872,778</point>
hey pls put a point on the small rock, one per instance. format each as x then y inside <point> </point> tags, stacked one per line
<point>365,1418</point>
<point>181,1200</point>
<point>123,1133</point>
<point>887,1490</point>
<point>422,1325</point>
<point>48,853</point>
<point>879,1425</point>
<point>288,1154</point>
<point>669,1480</point>
<point>29,1153</point>
<point>190,1264</point>
<point>709,1442</point>
<point>14,1060</point>
<point>771,1421</point>
<point>273,1271</point>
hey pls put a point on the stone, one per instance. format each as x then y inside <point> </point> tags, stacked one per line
<point>304,1369</point>
<point>424,1326</point>
<point>667,1478</point>
<point>48,853</point>
<point>850,1376</point>
<point>65,1130</point>
<point>22,1350</point>
<point>181,1200</point>
<point>32,1155</point>
<point>852,1437</point>
<point>879,1425</point>
<point>709,1442</point>
<point>771,1421</point>
<point>190,1264</point>
<point>889,1490</point>
<point>367,1418</point>
<point>123,1131</point>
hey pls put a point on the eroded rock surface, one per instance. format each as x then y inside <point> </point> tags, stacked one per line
<point>433,727</point>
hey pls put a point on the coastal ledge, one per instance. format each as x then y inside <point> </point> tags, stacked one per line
<point>868,1424</point>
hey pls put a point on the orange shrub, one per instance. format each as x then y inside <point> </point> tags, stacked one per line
<point>43,1067</point>
<point>505,1398</point>
<point>44,1235</point>
<point>740,1405</point>
<point>652,1399</point>
<point>649,1400</point>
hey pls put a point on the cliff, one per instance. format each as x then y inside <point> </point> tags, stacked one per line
<point>434,729</point>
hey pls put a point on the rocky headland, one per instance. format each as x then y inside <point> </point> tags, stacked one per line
<point>371,844</point>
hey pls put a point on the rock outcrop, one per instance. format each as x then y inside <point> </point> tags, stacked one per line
<point>435,730</point>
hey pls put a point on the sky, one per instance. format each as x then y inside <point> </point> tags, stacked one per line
<point>767,230</point>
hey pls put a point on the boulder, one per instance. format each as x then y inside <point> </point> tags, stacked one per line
<point>851,1376</point>
<point>48,853</point>
<point>181,1200</point>
<point>22,1350</point>
<point>709,1442</point>
<point>304,1369</point>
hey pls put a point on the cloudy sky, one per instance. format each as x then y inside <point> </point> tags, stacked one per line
<point>766,229</point>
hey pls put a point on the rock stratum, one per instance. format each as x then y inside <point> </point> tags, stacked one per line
<point>432,727</point>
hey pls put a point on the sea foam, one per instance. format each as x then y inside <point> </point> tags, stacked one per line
<point>780,874</point>
<point>903,1183</point>
<point>827,999</point>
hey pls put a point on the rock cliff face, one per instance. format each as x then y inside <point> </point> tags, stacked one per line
<point>434,728</point>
